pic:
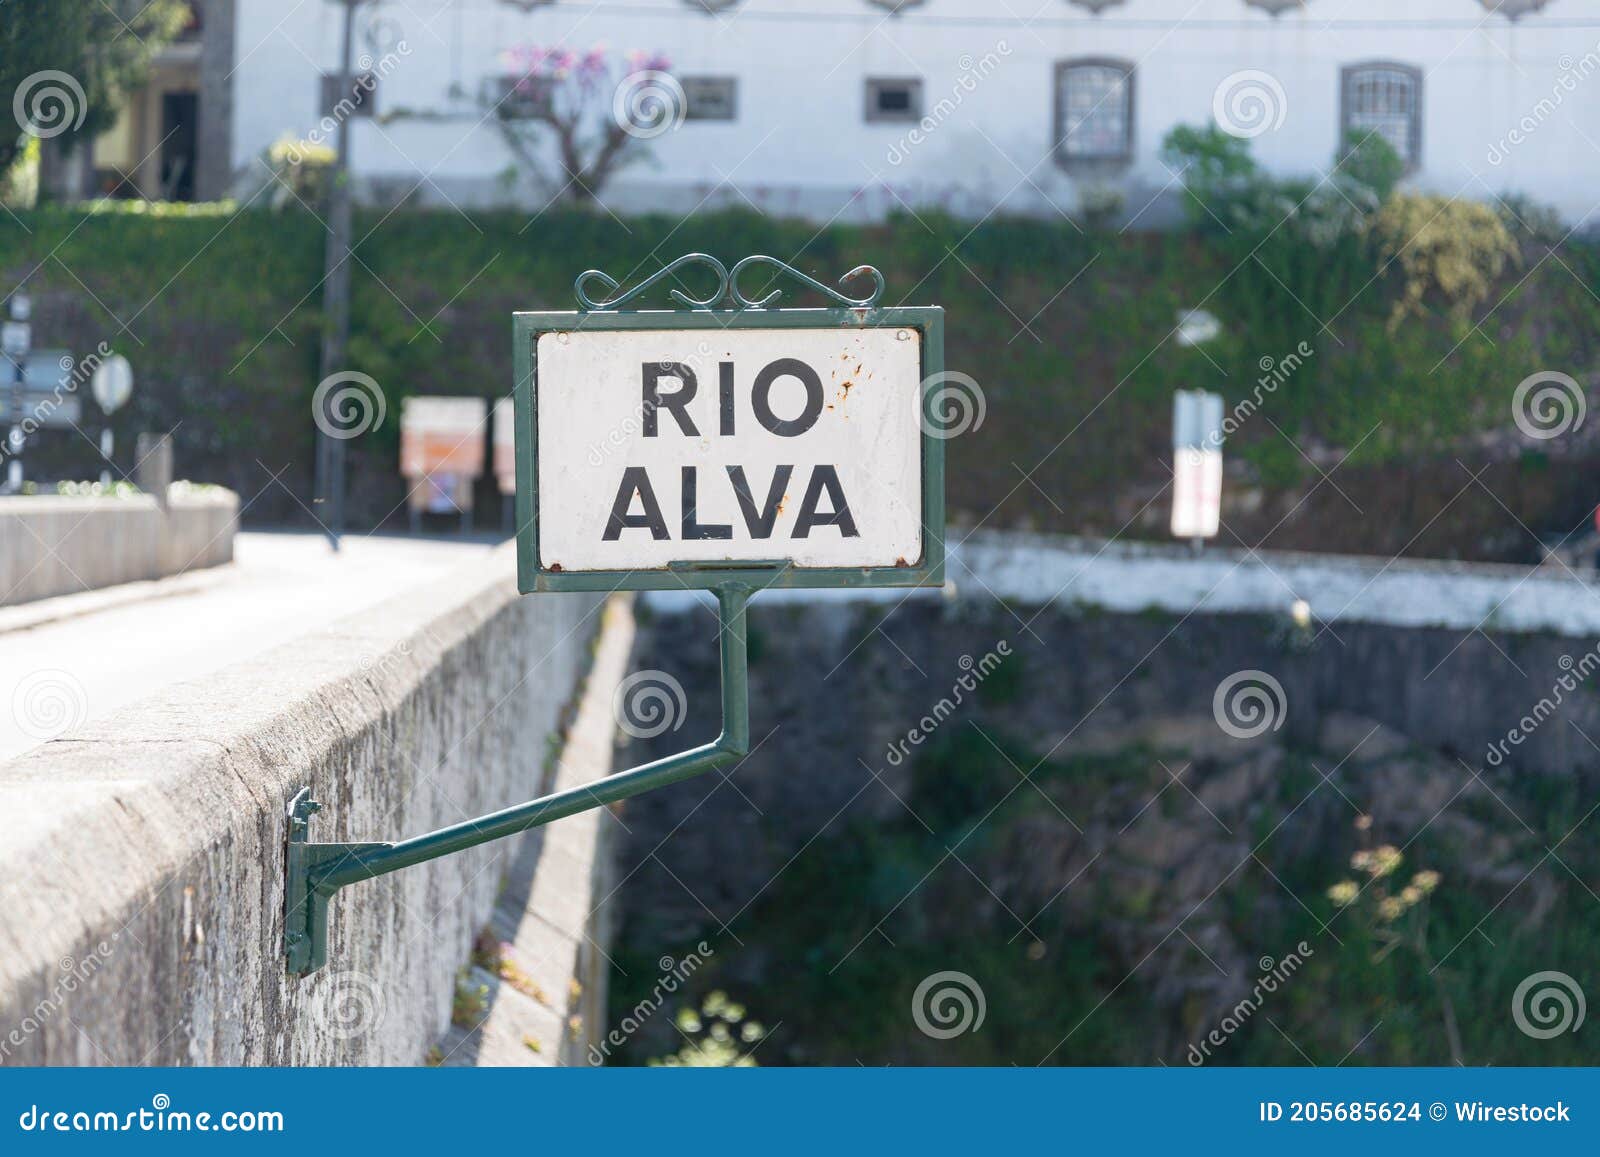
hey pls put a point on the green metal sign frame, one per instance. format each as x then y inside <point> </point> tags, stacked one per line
<point>527,328</point>
<point>315,872</point>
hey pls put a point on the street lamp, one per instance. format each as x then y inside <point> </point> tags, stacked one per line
<point>112,385</point>
<point>16,339</point>
<point>336,295</point>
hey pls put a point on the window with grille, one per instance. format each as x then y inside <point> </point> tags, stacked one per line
<point>1094,111</point>
<point>1385,99</point>
<point>515,97</point>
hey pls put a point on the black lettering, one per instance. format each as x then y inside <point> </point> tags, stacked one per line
<point>759,523</point>
<point>825,477</point>
<point>635,481</point>
<point>761,397</point>
<point>726,397</point>
<point>692,529</point>
<point>677,401</point>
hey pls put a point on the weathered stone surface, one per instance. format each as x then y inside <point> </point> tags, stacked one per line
<point>551,926</point>
<point>1393,722</point>
<point>141,864</point>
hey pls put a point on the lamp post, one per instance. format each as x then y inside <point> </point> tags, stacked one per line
<point>336,298</point>
<point>112,385</point>
<point>16,338</point>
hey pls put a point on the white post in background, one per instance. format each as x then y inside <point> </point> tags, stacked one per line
<point>1197,465</point>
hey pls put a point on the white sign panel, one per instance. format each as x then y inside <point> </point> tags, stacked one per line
<point>1197,494</point>
<point>739,445</point>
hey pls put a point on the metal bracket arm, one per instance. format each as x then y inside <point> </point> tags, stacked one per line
<point>315,871</point>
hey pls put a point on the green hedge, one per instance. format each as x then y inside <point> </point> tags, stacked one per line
<point>222,311</point>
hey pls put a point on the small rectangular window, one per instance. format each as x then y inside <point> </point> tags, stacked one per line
<point>515,97</point>
<point>894,100</point>
<point>360,100</point>
<point>710,98</point>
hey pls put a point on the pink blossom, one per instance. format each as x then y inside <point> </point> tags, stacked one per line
<point>638,61</point>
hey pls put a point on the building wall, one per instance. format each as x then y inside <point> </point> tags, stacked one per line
<point>801,144</point>
<point>214,171</point>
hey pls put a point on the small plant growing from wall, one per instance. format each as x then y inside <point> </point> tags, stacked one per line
<point>574,119</point>
<point>717,1035</point>
<point>1395,916</point>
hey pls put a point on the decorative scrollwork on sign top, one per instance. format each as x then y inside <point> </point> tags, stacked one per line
<point>726,283</point>
<point>770,299</point>
<point>611,285</point>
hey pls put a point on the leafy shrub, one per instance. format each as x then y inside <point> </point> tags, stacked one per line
<point>1370,160</point>
<point>1214,166</point>
<point>1100,206</point>
<point>1446,249</point>
<point>1532,221</point>
<point>299,170</point>
<point>1225,187</point>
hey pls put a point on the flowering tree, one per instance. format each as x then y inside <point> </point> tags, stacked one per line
<point>597,110</point>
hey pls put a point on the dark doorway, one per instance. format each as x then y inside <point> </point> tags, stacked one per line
<point>180,125</point>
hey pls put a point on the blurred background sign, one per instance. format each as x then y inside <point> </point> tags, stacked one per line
<point>112,383</point>
<point>44,398</point>
<point>505,447</point>
<point>1197,464</point>
<point>46,369</point>
<point>441,453</point>
<point>505,461</point>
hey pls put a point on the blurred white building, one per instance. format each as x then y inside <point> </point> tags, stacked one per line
<point>850,107</point>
